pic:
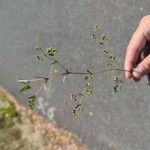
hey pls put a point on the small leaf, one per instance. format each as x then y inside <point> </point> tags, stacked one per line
<point>51,51</point>
<point>117,88</point>
<point>39,58</point>
<point>107,63</point>
<point>104,37</point>
<point>117,84</point>
<point>111,56</point>
<point>117,80</point>
<point>95,28</point>
<point>105,51</point>
<point>37,46</point>
<point>77,110</point>
<point>88,88</point>
<point>73,97</point>
<point>31,101</point>
<point>93,36</point>
<point>25,86</point>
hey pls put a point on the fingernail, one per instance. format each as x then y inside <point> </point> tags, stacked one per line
<point>138,72</point>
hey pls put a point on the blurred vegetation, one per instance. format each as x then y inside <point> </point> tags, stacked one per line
<point>23,129</point>
<point>10,136</point>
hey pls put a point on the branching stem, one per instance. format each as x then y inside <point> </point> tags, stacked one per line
<point>53,59</point>
<point>40,78</point>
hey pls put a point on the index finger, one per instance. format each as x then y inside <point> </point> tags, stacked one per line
<point>134,48</point>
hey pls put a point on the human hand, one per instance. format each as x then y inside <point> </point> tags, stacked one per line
<point>135,67</point>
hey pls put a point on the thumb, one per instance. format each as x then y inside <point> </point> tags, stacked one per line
<point>143,68</point>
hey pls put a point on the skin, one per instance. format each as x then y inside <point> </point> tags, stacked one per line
<point>136,67</point>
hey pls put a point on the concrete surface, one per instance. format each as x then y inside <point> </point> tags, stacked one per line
<point>112,121</point>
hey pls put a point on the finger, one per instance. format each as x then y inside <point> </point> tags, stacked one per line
<point>139,59</point>
<point>134,48</point>
<point>143,68</point>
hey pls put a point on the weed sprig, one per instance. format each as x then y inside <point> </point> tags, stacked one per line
<point>49,53</point>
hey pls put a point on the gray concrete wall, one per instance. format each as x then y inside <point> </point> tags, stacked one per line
<point>118,121</point>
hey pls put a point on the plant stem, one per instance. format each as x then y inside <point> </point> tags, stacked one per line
<point>61,65</point>
<point>40,88</point>
<point>113,69</point>
<point>76,73</point>
<point>32,80</point>
<point>50,77</point>
<point>99,72</point>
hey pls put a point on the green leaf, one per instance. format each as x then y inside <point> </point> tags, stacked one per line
<point>111,56</point>
<point>39,58</point>
<point>37,46</point>
<point>117,80</point>
<point>88,88</point>
<point>105,51</point>
<point>77,110</point>
<point>93,36</point>
<point>25,85</point>
<point>25,88</point>
<point>104,37</point>
<point>73,97</point>
<point>107,63</point>
<point>117,83</point>
<point>117,88</point>
<point>95,28</point>
<point>31,101</point>
<point>51,51</point>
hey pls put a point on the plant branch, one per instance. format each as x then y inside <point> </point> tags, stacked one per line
<point>32,80</point>
<point>98,72</point>
<point>56,61</point>
<point>40,88</point>
<point>39,78</point>
<point>50,77</point>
